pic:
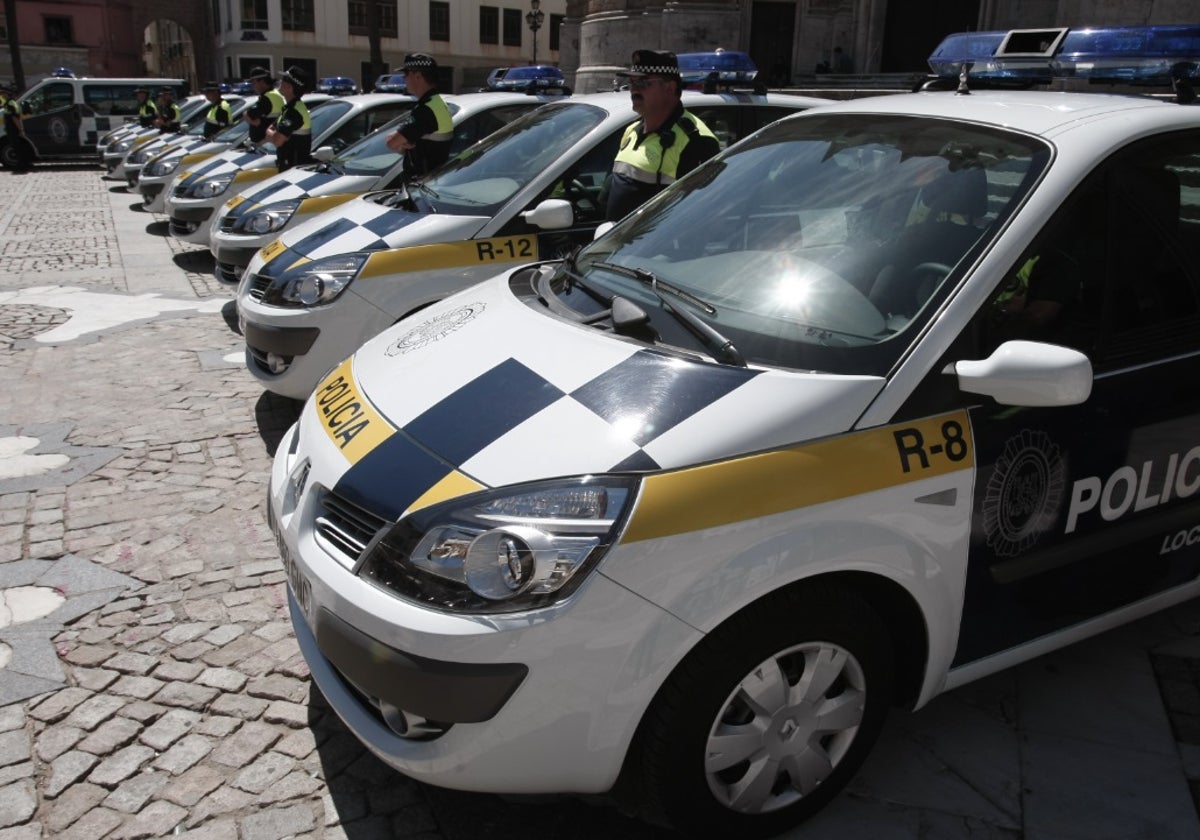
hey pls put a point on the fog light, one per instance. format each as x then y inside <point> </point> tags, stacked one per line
<point>278,364</point>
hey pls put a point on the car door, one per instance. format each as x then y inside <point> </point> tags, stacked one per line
<point>1084,509</point>
<point>52,123</point>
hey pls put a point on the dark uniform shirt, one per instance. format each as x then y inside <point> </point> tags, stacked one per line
<point>147,113</point>
<point>431,129</point>
<point>217,118</point>
<point>266,110</point>
<point>296,125</point>
<point>170,117</point>
<point>648,162</point>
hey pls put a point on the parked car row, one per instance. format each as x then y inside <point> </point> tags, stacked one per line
<point>890,394</point>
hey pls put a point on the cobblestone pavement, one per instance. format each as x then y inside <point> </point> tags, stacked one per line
<point>149,681</point>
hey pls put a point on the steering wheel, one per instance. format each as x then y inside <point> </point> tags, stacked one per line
<point>578,193</point>
<point>925,277</point>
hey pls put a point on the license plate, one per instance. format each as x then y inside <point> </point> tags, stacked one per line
<point>301,589</point>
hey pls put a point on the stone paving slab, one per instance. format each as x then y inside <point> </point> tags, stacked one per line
<point>166,696</point>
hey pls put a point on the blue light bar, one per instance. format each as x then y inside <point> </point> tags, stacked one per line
<point>1132,54</point>
<point>729,66</point>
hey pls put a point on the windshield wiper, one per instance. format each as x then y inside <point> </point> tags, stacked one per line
<point>722,348</point>
<point>648,278</point>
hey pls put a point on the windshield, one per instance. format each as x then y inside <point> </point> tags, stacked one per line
<point>323,116</point>
<point>482,178</point>
<point>371,155</point>
<point>857,227</point>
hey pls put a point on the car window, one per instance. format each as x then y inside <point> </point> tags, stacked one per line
<point>52,97</point>
<point>480,125</point>
<point>481,179</point>
<point>1116,272</point>
<point>110,100</point>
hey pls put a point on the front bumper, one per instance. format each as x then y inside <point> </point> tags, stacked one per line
<point>289,350</point>
<point>190,220</point>
<point>238,250</point>
<point>559,692</point>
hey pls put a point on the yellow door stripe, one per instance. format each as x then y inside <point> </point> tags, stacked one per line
<point>755,486</point>
<point>352,423</point>
<point>499,250</point>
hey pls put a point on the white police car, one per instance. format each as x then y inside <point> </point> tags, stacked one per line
<point>260,214</point>
<point>133,136</point>
<point>192,140</point>
<point>195,194</point>
<point>891,395</point>
<point>158,168</point>
<point>531,190</point>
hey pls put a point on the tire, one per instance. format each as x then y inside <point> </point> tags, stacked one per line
<point>824,638</point>
<point>8,154</point>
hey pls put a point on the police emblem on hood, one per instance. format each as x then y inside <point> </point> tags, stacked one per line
<point>434,329</point>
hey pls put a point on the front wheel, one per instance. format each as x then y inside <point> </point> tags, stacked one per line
<point>769,717</point>
<point>8,154</point>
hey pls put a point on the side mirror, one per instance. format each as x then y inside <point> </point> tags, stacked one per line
<point>324,154</point>
<point>551,214</point>
<point>1028,373</point>
<point>604,228</point>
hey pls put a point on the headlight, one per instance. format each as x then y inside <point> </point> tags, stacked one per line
<point>315,283</point>
<point>268,219</point>
<point>210,187</point>
<point>122,146</point>
<point>158,168</point>
<point>136,157</point>
<point>508,550</point>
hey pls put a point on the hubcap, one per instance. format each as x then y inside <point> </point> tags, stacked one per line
<point>786,726</point>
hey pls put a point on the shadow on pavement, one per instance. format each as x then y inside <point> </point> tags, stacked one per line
<point>373,800</point>
<point>197,262</point>
<point>137,207</point>
<point>229,313</point>
<point>274,415</point>
<point>162,228</point>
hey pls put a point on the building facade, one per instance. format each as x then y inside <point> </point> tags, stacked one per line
<point>467,39</point>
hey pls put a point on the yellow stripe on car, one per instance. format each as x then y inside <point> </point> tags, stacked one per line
<point>502,249</point>
<point>250,175</point>
<point>351,422</point>
<point>192,159</point>
<point>755,486</point>
<point>321,203</point>
<point>450,487</point>
<point>270,252</point>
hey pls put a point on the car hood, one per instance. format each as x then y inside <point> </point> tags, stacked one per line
<point>301,182</point>
<point>482,389</point>
<point>232,160</point>
<point>366,225</point>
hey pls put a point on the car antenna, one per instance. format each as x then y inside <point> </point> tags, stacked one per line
<point>963,88</point>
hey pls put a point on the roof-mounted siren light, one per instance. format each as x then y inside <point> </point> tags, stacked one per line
<point>1029,53</point>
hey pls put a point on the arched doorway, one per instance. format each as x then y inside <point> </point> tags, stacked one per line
<point>167,51</point>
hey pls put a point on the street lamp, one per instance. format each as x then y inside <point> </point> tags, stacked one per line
<point>534,18</point>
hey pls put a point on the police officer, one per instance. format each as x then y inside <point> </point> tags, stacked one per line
<point>264,112</point>
<point>168,112</point>
<point>425,138</point>
<point>14,129</point>
<point>219,115</point>
<point>146,112</point>
<point>292,133</point>
<point>665,144</point>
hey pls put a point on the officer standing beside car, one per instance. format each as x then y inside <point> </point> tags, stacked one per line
<point>14,128</point>
<point>665,144</point>
<point>168,118</point>
<point>146,112</point>
<point>425,138</point>
<point>266,110</point>
<point>292,133</point>
<point>219,115</point>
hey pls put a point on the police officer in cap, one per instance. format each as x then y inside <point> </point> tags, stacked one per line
<point>168,112</point>
<point>14,128</point>
<point>292,133</point>
<point>665,144</point>
<point>425,138</point>
<point>146,112</point>
<point>266,110</point>
<point>219,115</point>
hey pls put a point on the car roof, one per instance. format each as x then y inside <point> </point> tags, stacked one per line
<point>489,99</point>
<point>1045,113</point>
<point>691,98</point>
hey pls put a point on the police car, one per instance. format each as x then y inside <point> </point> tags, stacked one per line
<point>194,194</point>
<point>261,213</point>
<point>121,143</point>
<point>531,190</point>
<point>159,165</point>
<point>892,395</point>
<point>191,140</point>
<point>188,108</point>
